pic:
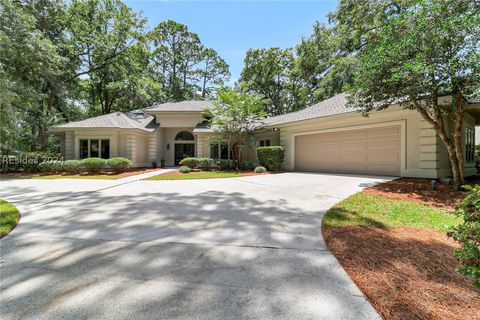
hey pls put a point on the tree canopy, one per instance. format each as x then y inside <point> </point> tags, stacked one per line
<point>235,117</point>
<point>67,60</point>
<point>414,53</point>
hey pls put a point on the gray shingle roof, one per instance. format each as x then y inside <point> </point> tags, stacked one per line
<point>329,107</point>
<point>203,126</point>
<point>182,106</point>
<point>122,120</point>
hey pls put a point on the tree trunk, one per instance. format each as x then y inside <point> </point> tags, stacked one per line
<point>456,161</point>
<point>458,133</point>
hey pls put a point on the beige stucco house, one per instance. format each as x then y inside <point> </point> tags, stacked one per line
<point>326,137</point>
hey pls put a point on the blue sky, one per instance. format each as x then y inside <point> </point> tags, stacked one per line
<point>232,27</point>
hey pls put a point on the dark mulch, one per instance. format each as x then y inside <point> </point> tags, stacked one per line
<point>406,273</point>
<point>420,190</point>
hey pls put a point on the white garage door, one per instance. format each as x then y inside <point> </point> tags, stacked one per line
<point>367,151</point>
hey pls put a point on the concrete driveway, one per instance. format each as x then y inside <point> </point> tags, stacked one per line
<point>238,248</point>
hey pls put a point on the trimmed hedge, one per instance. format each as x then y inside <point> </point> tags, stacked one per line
<point>260,169</point>
<point>202,163</point>
<point>271,157</point>
<point>208,163</point>
<point>52,166</point>
<point>184,169</point>
<point>189,162</point>
<point>247,165</point>
<point>119,164</point>
<point>94,165</point>
<point>224,164</point>
<point>73,166</point>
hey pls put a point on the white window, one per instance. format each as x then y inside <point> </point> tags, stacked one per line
<point>264,143</point>
<point>220,151</point>
<point>469,145</point>
<point>94,148</point>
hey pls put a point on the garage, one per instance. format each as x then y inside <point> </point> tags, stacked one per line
<point>374,151</point>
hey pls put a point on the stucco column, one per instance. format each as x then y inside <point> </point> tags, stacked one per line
<point>69,144</point>
<point>152,148</point>
<point>130,148</point>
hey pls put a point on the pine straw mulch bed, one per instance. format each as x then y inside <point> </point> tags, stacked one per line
<point>406,273</point>
<point>420,190</point>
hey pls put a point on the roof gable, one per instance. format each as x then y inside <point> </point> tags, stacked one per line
<point>181,106</point>
<point>329,107</point>
<point>120,120</point>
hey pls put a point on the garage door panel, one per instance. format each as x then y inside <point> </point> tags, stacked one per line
<point>383,132</point>
<point>384,144</point>
<point>366,151</point>
<point>349,136</point>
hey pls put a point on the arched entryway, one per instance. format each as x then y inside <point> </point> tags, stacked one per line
<point>184,146</point>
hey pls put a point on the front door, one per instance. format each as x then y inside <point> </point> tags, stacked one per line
<point>184,150</point>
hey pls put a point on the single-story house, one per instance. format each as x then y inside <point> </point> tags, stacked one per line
<point>326,137</point>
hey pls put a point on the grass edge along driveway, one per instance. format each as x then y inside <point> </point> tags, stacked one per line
<point>9,217</point>
<point>197,175</point>
<point>367,210</point>
<point>398,254</point>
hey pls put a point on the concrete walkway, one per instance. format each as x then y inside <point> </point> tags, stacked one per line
<point>238,248</point>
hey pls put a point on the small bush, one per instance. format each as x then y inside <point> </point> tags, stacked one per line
<point>260,169</point>
<point>73,166</point>
<point>119,164</point>
<point>52,166</point>
<point>189,162</point>
<point>204,163</point>
<point>468,235</point>
<point>184,169</point>
<point>247,165</point>
<point>94,165</point>
<point>225,164</point>
<point>29,161</point>
<point>271,157</point>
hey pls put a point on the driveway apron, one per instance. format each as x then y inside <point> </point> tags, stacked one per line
<point>236,248</point>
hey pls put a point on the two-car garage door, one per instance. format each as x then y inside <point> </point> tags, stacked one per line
<point>365,151</point>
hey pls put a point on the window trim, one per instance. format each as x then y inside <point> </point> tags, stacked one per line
<point>99,147</point>
<point>469,144</point>
<point>182,131</point>
<point>219,147</point>
<point>265,142</point>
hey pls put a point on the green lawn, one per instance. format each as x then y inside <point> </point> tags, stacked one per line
<point>377,211</point>
<point>9,216</point>
<point>196,175</point>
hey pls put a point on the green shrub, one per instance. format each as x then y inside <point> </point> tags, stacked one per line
<point>271,157</point>
<point>31,160</point>
<point>52,166</point>
<point>189,162</point>
<point>94,165</point>
<point>468,234</point>
<point>204,163</point>
<point>260,169</point>
<point>184,169</point>
<point>225,164</point>
<point>73,166</point>
<point>247,165</point>
<point>119,164</point>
